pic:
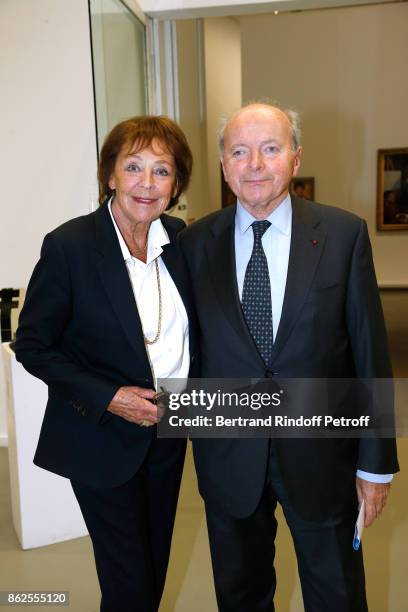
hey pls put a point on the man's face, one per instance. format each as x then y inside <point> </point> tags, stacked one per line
<point>259,161</point>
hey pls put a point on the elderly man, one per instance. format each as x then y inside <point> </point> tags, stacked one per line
<point>285,288</point>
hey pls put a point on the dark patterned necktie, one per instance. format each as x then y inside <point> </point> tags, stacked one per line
<point>256,295</point>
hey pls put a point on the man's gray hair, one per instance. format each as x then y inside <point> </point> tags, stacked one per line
<point>292,116</point>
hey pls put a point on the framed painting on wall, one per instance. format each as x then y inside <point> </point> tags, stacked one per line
<point>392,189</point>
<point>303,187</point>
<point>227,195</point>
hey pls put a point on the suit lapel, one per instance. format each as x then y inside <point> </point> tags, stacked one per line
<point>175,265</point>
<point>115,279</point>
<point>307,244</point>
<point>221,259</point>
<point>174,262</point>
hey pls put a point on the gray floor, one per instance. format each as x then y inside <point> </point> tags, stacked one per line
<point>69,566</point>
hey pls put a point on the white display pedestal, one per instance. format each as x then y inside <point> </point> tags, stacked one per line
<point>44,508</point>
<point>15,312</point>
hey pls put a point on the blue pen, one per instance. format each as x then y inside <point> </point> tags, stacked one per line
<point>356,539</point>
<point>358,530</point>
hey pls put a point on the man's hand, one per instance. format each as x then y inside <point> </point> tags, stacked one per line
<point>131,403</point>
<point>375,497</point>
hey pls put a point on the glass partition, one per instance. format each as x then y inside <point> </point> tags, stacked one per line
<point>119,64</point>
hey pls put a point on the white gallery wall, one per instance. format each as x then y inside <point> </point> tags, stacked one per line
<point>47,127</point>
<point>48,152</point>
<point>345,71</point>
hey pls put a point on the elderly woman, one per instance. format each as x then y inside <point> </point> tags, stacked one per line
<point>106,316</point>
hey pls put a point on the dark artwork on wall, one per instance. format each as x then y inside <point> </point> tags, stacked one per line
<point>392,189</point>
<point>227,196</point>
<point>6,304</point>
<point>303,187</point>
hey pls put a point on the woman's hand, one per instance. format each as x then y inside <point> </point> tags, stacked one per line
<point>132,404</point>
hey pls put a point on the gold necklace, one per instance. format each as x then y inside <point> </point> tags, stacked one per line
<point>159,324</point>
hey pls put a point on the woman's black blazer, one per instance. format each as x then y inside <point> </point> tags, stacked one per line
<point>80,332</point>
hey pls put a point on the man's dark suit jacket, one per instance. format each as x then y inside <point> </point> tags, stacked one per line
<point>331,326</point>
<point>80,332</point>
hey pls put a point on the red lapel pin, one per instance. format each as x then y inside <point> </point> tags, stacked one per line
<point>314,242</point>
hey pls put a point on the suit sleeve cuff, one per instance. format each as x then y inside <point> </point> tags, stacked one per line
<point>378,478</point>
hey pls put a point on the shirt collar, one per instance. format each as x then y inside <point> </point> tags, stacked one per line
<point>156,239</point>
<point>280,218</point>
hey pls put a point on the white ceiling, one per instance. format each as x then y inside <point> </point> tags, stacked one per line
<point>188,9</point>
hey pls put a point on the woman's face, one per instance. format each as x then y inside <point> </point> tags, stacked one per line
<point>145,182</point>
